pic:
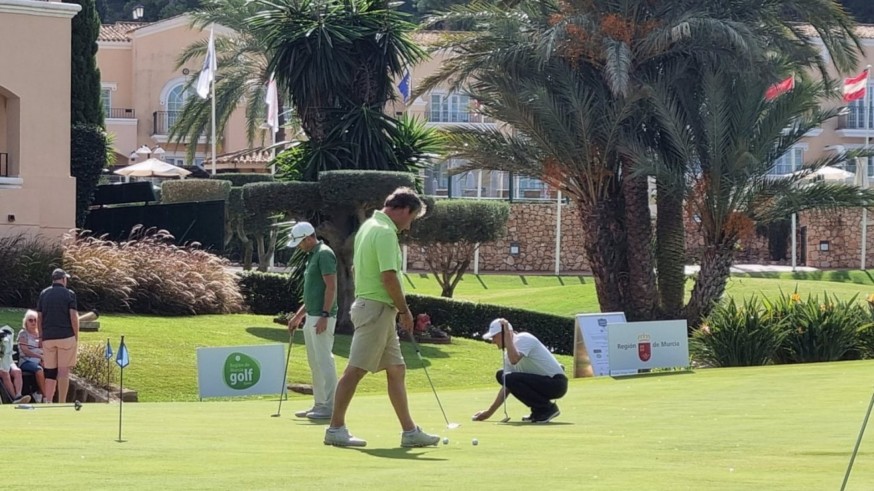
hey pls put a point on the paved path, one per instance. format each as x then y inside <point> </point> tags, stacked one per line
<point>737,268</point>
<point>757,268</point>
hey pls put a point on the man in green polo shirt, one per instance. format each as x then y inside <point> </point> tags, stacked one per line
<point>320,311</point>
<point>379,301</point>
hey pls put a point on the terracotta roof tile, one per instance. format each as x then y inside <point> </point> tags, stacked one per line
<point>120,32</point>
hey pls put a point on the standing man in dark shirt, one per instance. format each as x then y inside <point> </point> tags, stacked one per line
<point>58,324</point>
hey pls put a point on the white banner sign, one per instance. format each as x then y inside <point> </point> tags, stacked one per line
<point>643,345</point>
<point>592,343</point>
<point>240,370</point>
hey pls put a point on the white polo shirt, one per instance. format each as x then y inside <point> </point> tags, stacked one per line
<point>536,359</point>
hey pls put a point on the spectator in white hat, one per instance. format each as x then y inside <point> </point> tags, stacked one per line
<point>533,375</point>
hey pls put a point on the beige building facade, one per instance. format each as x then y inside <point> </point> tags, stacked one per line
<point>37,193</point>
<point>143,92</point>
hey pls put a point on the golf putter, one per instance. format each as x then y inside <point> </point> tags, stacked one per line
<point>30,407</point>
<point>284,375</point>
<point>449,425</point>
<point>506,418</point>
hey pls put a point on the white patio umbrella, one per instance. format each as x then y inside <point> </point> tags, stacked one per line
<point>152,168</point>
<point>828,173</point>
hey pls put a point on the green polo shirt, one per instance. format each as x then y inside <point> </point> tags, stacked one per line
<point>376,250</point>
<point>320,262</point>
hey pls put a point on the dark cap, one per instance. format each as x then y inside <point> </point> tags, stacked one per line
<point>59,274</point>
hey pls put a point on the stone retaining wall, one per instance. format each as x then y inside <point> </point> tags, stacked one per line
<point>532,227</point>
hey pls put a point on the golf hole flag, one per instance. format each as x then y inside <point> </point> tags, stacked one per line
<point>780,88</point>
<point>855,87</point>
<point>122,359</point>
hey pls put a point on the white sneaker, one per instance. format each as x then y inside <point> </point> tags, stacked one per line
<point>37,397</point>
<point>319,414</point>
<point>340,437</point>
<point>418,438</point>
<point>303,413</point>
<point>21,400</point>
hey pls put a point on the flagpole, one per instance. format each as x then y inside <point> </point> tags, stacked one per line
<point>121,355</point>
<point>120,398</point>
<point>213,124</point>
<point>865,170</point>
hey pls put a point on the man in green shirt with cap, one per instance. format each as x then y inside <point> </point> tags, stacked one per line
<point>319,309</point>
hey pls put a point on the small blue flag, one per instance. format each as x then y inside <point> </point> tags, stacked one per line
<point>122,359</point>
<point>108,353</point>
<point>405,86</point>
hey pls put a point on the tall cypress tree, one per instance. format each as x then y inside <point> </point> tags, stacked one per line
<point>85,77</point>
<point>87,139</point>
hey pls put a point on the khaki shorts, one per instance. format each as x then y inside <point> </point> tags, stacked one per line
<point>375,345</point>
<point>59,353</point>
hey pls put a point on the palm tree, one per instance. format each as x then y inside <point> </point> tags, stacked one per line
<point>337,60</point>
<point>568,77</point>
<point>735,137</point>
<point>619,50</point>
<point>241,78</point>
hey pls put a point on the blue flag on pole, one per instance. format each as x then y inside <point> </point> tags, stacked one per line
<point>108,353</point>
<point>405,86</point>
<point>122,359</point>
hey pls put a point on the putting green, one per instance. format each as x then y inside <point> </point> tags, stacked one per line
<point>774,428</point>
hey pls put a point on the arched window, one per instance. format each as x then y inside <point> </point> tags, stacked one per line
<point>176,98</point>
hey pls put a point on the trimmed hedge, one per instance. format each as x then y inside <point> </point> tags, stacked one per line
<point>354,188</point>
<point>189,190</point>
<point>239,179</point>
<point>294,198</point>
<point>470,320</point>
<point>461,220</point>
<point>270,293</point>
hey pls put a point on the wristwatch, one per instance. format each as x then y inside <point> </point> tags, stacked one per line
<point>325,313</point>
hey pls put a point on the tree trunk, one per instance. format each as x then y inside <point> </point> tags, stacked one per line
<point>715,269</point>
<point>247,246</point>
<point>606,251</point>
<point>339,232</point>
<point>641,296</point>
<point>262,253</point>
<point>670,252</point>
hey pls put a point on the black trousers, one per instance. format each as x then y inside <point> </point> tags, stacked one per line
<point>535,391</point>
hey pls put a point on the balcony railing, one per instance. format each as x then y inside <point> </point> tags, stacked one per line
<point>434,114</point>
<point>162,121</point>
<point>120,113</point>
<point>4,165</point>
<point>854,119</point>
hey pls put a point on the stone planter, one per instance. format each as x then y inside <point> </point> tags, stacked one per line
<point>82,391</point>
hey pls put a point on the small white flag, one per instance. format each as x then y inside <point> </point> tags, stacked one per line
<point>207,73</point>
<point>272,100</point>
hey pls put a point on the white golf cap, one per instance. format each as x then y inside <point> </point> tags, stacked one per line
<point>495,328</point>
<point>299,232</point>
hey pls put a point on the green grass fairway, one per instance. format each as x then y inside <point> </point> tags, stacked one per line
<point>771,428</point>
<point>569,295</point>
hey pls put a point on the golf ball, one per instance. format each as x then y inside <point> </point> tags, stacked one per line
<point>475,441</point>
<point>445,441</point>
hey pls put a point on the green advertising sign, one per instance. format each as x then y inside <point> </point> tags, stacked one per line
<point>241,371</point>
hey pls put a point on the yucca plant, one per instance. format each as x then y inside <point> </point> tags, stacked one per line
<point>824,330</point>
<point>737,336</point>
